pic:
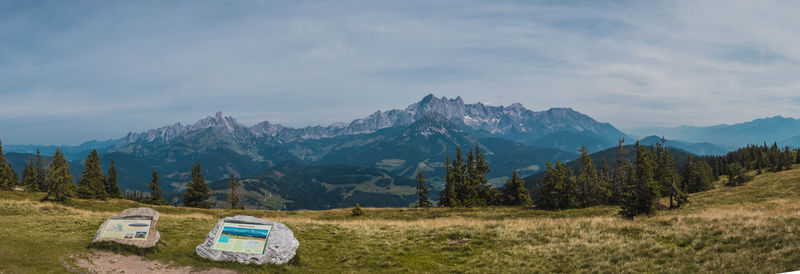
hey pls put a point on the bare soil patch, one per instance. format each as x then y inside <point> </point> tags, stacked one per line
<point>100,261</point>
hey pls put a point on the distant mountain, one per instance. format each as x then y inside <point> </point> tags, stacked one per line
<point>425,145</point>
<point>701,149</point>
<point>72,153</point>
<point>19,160</point>
<point>290,185</point>
<point>780,129</point>
<point>571,141</point>
<point>394,143</point>
<point>513,122</point>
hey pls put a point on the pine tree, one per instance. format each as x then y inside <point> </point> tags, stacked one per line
<point>556,192</point>
<point>197,192</point>
<point>8,178</point>
<point>92,184</point>
<point>486,194</point>
<point>40,172</point>
<point>233,197</point>
<point>60,184</point>
<point>447,197</point>
<point>112,189</point>
<point>640,195</point>
<point>29,177</point>
<point>515,193</point>
<point>697,176</point>
<point>422,191</point>
<point>155,190</point>
<point>667,176</point>
<point>588,192</point>
<point>620,174</point>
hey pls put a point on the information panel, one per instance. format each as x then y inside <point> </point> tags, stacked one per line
<point>127,229</point>
<point>243,238</point>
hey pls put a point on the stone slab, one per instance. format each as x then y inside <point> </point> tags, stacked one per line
<point>280,248</point>
<point>132,214</point>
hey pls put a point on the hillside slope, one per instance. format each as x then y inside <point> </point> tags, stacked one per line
<point>748,229</point>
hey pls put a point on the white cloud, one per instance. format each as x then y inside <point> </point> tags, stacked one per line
<point>145,64</point>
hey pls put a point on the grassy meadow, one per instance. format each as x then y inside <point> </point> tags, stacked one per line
<point>753,228</point>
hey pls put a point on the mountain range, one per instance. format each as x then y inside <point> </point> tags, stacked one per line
<point>783,130</point>
<point>291,168</point>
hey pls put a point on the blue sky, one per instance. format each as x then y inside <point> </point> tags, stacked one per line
<point>72,71</point>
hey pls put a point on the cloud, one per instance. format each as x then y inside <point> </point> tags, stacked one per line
<point>129,66</point>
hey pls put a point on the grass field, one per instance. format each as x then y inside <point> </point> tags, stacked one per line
<point>753,228</point>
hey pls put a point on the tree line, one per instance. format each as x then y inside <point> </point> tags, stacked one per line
<point>55,179</point>
<point>467,184</point>
<point>636,186</point>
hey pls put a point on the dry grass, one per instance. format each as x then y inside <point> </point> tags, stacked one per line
<point>747,229</point>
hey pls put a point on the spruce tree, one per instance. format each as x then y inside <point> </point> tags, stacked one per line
<point>92,184</point>
<point>197,192</point>
<point>155,190</point>
<point>422,191</point>
<point>28,177</point>
<point>8,178</point>
<point>59,181</point>
<point>619,176</point>
<point>447,198</point>
<point>556,192</point>
<point>485,193</point>
<point>515,193</point>
<point>588,192</point>
<point>233,197</point>
<point>112,189</point>
<point>40,171</point>
<point>640,196</point>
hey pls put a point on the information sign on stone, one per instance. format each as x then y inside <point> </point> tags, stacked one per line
<point>242,237</point>
<point>248,239</point>
<point>131,229</point>
<point>133,226</point>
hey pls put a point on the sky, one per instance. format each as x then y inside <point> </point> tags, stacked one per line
<point>72,71</point>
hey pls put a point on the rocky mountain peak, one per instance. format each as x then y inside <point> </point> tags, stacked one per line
<point>450,108</point>
<point>429,124</point>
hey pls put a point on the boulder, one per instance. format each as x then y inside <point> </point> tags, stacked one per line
<point>281,245</point>
<point>117,228</point>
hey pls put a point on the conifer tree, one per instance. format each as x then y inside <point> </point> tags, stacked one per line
<point>112,189</point>
<point>422,191</point>
<point>197,192</point>
<point>515,193</point>
<point>486,194</point>
<point>640,195</point>
<point>447,197</point>
<point>40,172</point>
<point>467,190</point>
<point>59,181</point>
<point>155,190</point>
<point>697,176</point>
<point>92,184</point>
<point>28,177</point>
<point>8,178</point>
<point>555,192</point>
<point>233,197</point>
<point>620,174</point>
<point>667,176</point>
<point>588,192</point>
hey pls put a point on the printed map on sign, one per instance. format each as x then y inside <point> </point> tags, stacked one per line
<point>127,229</point>
<point>243,238</point>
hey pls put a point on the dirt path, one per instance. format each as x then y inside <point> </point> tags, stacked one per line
<point>108,262</point>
